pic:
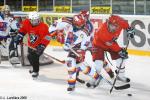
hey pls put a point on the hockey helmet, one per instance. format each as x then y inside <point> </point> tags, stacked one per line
<point>114,19</point>
<point>34,18</point>
<point>113,23</point>
<point>79,21</point>
<point>6,9</point>
<point>85,13</point>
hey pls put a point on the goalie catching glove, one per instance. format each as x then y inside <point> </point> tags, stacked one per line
<point>131,32</point>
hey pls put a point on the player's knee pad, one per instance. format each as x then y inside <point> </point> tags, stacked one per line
<point>120,68</point>
<point>98,65</point>
<point>71,64</point>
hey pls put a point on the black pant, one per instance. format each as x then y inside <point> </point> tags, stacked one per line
<point>33,59</point>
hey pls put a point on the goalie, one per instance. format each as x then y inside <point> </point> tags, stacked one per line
<point>8,29</point>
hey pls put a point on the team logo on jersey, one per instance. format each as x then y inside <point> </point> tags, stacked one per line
<point>3,26</point>
<point>33,38</point>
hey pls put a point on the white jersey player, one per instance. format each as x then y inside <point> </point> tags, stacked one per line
<point>8,26</point>
<point>72,33</point>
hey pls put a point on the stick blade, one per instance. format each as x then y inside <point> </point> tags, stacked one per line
<point>126,86</point>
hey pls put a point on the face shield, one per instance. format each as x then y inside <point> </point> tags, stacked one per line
<point>34,18</point>
<point>35,22</point>
<point>112,27</point>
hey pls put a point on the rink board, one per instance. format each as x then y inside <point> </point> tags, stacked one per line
<point>140,45</point>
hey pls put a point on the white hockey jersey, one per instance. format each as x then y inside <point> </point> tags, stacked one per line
<point>6,25</point>
<point>79,36</point>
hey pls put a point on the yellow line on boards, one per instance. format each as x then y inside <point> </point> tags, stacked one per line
<point>139,52</point>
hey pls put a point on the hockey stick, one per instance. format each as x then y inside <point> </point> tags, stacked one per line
<point>109,82</point>
<point>122,87</point>
<point>119,71</point>
<point>61,61</point>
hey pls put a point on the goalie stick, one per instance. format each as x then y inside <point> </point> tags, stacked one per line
<point>126,86</point>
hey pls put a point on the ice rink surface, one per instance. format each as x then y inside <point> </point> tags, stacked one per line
<point>16,83</point>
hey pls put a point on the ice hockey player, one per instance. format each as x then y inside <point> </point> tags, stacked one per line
<point>8,27</point>
<point>89,28</point>
<point>38,39</point>
<point>105,40</point>
<point>74,39</point>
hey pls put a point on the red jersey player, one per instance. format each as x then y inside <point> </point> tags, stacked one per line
<point>38,38</point>
<point>105,40</point>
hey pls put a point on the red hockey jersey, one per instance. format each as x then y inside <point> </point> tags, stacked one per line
<point>105,39</point>
<point>36,34</point>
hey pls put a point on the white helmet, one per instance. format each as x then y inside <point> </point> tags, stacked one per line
<point>34,18</point>
<point>5,9</point>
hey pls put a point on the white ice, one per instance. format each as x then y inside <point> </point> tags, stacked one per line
<point>16,82</point>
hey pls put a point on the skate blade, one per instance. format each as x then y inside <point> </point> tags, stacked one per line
<point>34,78</point>
<point>70,92</point>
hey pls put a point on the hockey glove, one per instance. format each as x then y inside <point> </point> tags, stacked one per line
<point>123,53</point>
<point>18,38</point>
<point>13,32</point>
<point>40,49</point>
<point>82,55</point>
<point>131,32</point>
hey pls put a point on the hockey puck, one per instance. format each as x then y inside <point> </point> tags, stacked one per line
<point>129,95</point>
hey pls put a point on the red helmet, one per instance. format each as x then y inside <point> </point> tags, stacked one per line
<point>114,19</point>
<point>78,20</point>
<point>85,13</point>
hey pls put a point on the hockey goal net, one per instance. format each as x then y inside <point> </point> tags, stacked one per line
<point>44,60</point>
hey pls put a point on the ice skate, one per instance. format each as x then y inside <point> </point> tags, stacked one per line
<point>122,78</point>
<point>71,88</point>
<point>30,71</point>
<point>93,82</point>
<point>35,75</point>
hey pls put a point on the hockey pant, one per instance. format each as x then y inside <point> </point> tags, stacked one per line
<point>73,68</point>
<point>33,59</point>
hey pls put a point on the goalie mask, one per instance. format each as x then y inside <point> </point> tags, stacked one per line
<point>34,18</point>
<point>5,10</point>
